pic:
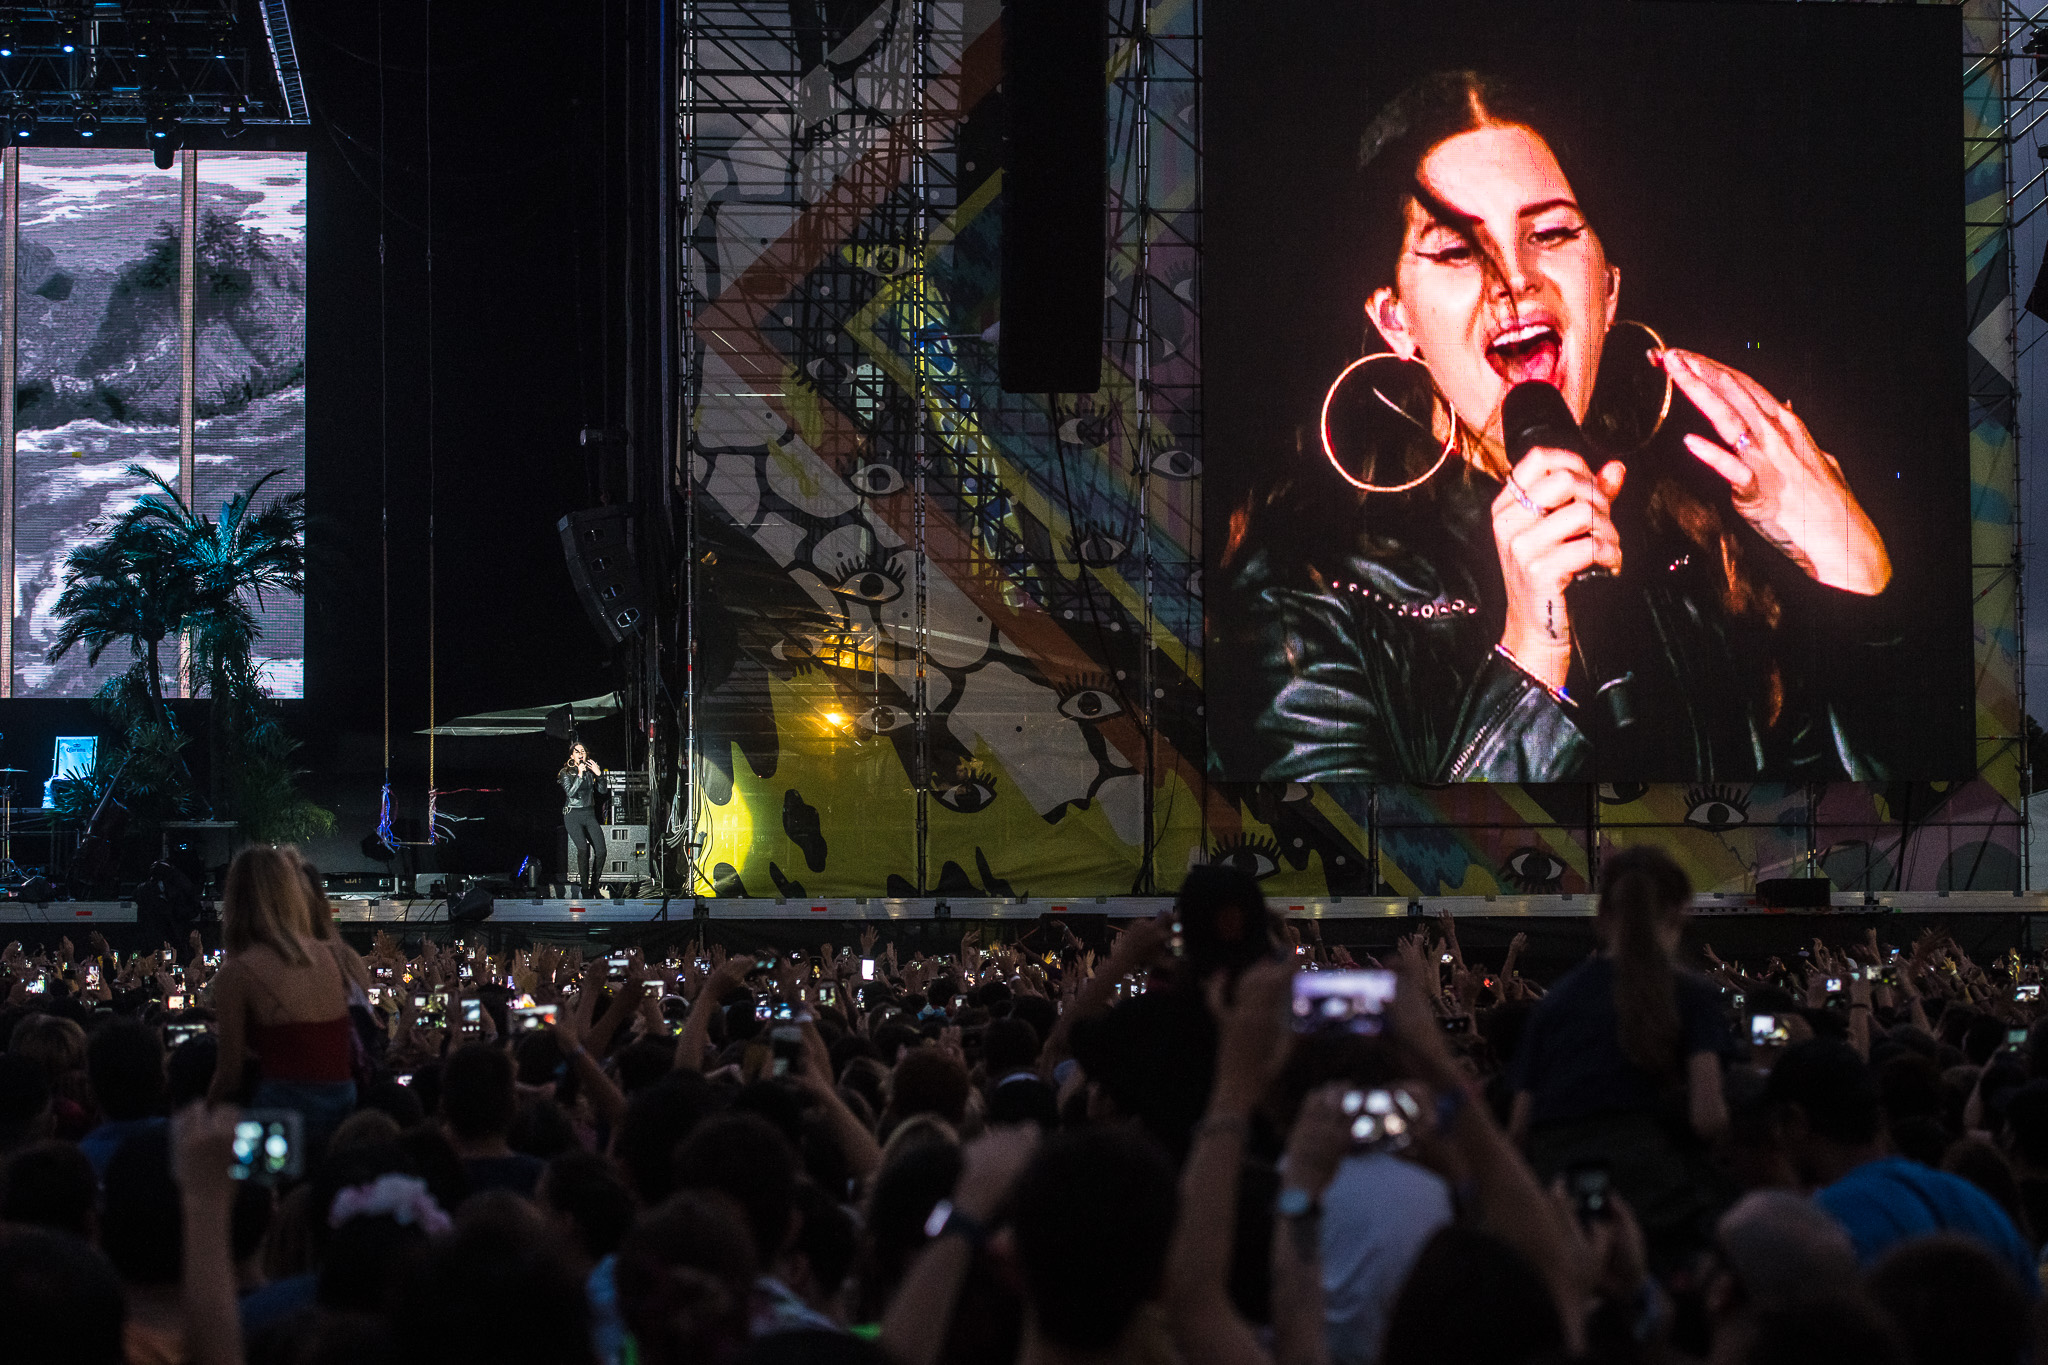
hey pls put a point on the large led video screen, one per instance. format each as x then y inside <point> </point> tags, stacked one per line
<point>101,381</point>
<point>1586,393</point>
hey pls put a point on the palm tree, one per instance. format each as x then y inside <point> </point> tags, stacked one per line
<point>161,570</point>
<point>227,563</point>
<point>129,585</point>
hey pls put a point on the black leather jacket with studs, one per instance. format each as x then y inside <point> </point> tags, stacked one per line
<point>1378,662</point>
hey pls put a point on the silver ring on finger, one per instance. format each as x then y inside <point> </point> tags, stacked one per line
<point>1743,441</point>
<point>1528,503</point>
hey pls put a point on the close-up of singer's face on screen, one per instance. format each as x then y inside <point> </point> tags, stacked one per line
<point>1501,279</point>
<point>1631,462</point>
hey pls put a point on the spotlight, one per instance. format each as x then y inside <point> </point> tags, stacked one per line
<point>164,154</point>
<point>223,34</point>
<point>236,124</point>
<point>163,126</point>
<point>87,121</point>
<point>24,123</point>
<point>7,41</point>
<point>67,37</point>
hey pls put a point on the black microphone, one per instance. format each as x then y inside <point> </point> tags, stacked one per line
<point>1534,414</point>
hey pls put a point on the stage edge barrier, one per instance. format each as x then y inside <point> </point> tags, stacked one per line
<point>614,912</point>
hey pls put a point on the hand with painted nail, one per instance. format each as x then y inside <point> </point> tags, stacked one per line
<point>1784,485</point>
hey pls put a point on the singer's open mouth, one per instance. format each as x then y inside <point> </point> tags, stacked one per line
<point>1529,351</point>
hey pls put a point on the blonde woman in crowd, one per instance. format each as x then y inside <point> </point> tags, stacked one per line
<point>281,998</point>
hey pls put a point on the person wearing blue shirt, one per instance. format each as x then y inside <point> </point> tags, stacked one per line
<point>1831,1122</point>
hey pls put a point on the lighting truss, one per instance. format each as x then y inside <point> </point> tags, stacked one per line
<point>200,64</point>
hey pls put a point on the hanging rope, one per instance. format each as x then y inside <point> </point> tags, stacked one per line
<point>427,128</point>
<point>386,834</point>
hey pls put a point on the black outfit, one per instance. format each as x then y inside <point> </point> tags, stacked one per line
<point>1570,1060</point>
<point>1356,640</point>
<point>518,1173</point>
<point>1589,1103</point>
<point>586,832</point>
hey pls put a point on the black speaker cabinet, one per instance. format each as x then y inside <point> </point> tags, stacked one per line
<point>598,545</point>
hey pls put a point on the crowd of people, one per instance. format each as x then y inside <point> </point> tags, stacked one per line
<point>1216,1141</point>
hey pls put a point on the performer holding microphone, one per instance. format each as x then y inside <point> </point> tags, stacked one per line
<point>1418,627</point>
<point>579,816</point>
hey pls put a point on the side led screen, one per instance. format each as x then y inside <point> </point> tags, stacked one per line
<point>131,350</point>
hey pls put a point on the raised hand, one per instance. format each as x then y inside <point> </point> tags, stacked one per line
<point>1320,1140</point>
<point>1551,522</point>
<point>1254,1035</point>
<point>1782,482</point>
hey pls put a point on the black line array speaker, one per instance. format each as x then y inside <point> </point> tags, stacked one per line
<point>1055,169</point>
<point>598,544</point>
<point>1795,893</point>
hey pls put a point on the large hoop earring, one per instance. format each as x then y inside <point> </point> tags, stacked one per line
<point>1330,452</point>
<point>1622,399</point>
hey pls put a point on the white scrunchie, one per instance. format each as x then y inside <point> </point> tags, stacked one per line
<point>403,1198</point>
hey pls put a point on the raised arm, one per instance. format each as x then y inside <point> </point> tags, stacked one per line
<point>1251,1047</point>
<point>231,1023</point>
<point>697,1024</point>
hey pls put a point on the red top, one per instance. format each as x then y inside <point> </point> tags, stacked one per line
<point>316,1053</point>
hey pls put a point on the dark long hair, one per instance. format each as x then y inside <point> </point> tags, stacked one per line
<point>569,763</point>
<point>1314,514</point>
<point>1641,888</point>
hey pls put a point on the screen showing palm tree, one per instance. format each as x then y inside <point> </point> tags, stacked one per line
<point>132,348</point>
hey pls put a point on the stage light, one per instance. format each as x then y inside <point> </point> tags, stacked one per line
<point>87,121</point>
<point>24,123</point>
<point>7,41</point>
<point>163,125</point>
<point>236,124</point>
<point>67,37</point>
<point>223,34</point>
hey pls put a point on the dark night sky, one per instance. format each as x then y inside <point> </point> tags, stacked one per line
<point>518,204</point>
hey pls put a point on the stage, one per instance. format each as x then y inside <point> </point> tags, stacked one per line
<point>424,912</point>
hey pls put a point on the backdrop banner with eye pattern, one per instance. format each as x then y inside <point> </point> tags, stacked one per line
<point>950,641</point>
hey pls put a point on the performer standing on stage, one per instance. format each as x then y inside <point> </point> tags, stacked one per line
<point>579,816</point>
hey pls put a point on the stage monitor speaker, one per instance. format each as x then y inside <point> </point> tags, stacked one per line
<point>625,854</point>
<point>473,906</point>
<point>598,544</point>
<point>1055,169</point>
<point>1795,893</point>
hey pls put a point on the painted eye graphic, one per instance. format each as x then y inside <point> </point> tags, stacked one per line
<point>876,480</point>
<point>883,718</point>
<point>1621,793</point>
<point>1534,871</point>
<point>1249,853</point>
<point>799,654</point>
<point>1098,549</point>
<point>1084,431</point>
<point>825,370</point>
<point>1089,703</point>
<point>1174,464</point>
<point>975,790</point>
<point>1716,807</point>
<point>874,580</point>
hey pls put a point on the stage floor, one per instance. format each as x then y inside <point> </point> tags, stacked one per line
<point>562,912</point>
